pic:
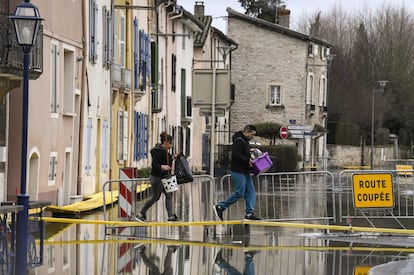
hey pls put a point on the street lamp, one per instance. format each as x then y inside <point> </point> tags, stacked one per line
<point>26,20</point>
<point>380,88</point>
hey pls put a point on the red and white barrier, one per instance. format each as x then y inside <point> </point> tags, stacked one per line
<point>125,193</point>
<point>126,253</point>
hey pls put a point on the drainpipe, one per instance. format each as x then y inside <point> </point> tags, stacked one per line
<point>82,99</point>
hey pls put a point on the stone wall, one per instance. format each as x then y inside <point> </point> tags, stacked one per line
<point>346,155</point>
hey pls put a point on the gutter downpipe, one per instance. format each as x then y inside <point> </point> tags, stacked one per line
<point>82,100</point>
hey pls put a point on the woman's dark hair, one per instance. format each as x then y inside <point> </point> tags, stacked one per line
<point>165,137</point>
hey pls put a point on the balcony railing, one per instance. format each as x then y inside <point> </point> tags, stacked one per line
<point>11,54</point>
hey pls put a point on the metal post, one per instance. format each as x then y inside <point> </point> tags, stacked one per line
<point>23,198</point>
<point>213,123</point>
<point>372,127</point>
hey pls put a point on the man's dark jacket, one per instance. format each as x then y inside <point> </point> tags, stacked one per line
<point>240,153</point>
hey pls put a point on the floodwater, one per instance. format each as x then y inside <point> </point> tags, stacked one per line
<point>214,248</point>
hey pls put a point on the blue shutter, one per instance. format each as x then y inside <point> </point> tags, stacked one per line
<point>135,136</point>
<point>141,136</point>
<point>146,136</point>
<point>136,55</point>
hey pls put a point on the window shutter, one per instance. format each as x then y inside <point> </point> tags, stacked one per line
<point>136,132</point>
<point>54,73</point>
<point>120,139</point>
<point>321,95</point>
<point>104,145</point>
<point>88,146</point>
<point>125,136</point>
<point>136,55</point>
<point>93,26</point>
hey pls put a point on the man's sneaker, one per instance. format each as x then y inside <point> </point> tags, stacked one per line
<point>250,253</point>
<point>218,211</point>
<point>140,217</point>
<point>219,257</point>
<point>173,218</point>
<point>252,217</point>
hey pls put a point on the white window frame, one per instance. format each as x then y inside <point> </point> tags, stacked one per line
<point>69,84</point>
<point>53,160</point>
<point>275,95</point>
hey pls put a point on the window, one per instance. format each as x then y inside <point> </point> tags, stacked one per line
<point>54,95</point>
<point>145,48</point>
<point>136,55</point>
<point>309,89</point>
<point>122,145</point>
<point>68,81</point>
<point>140,136</point>
<point>310,49</point>
<point>122,42</point>
<point>107,38</point>
<point>105,134</point>
<point>93,26</point>
<point>275,95</point>
<point>52,168</point>
<point>173,72</point>
<point>322,91</point>
<point>183,93</point>
<point>184,37</point>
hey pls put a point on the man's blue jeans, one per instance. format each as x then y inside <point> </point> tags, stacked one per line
<point>243,188</point>
<point>248,267</point>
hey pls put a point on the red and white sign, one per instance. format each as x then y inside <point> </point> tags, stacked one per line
<point>125,193</point>
<point>126,255</point>
<point>283,132</point>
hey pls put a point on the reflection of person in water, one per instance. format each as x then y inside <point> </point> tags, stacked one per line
<point>149,261</point>
<point>248,264</point>
<point>244,231</point>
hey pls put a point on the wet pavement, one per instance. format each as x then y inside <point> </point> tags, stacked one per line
<point>217,249</point>
<point>264,248</point>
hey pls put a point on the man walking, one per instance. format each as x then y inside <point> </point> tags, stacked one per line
<point>240,174</point>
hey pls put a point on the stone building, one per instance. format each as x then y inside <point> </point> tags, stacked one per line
<point>280,76</point>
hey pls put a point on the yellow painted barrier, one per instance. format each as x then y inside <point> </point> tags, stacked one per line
<point>259,223</point>
<point>400,170</point>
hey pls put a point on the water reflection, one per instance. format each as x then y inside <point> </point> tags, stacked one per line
<point>83,249</point>
<point>248,263</point>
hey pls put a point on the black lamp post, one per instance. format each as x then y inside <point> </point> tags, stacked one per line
<point>26,20</point>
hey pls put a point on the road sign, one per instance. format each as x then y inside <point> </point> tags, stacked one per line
<point>283,132</point>
<point>300,131</point>
<point>373,190</point>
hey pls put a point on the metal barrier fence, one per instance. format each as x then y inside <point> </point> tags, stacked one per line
<point>189,200</point>
<point>285,196</point>
<point>403,197</point>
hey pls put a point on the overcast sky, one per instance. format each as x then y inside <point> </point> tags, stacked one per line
<point>298,8</point>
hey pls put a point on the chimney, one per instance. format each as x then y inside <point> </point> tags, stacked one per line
<point>199,9</point>
<point>283,16</point>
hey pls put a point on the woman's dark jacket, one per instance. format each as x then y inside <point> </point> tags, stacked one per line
<point>159,157</point>
<point>240,153</point>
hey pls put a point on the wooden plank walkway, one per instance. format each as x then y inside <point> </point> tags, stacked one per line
<point>90,203</point>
